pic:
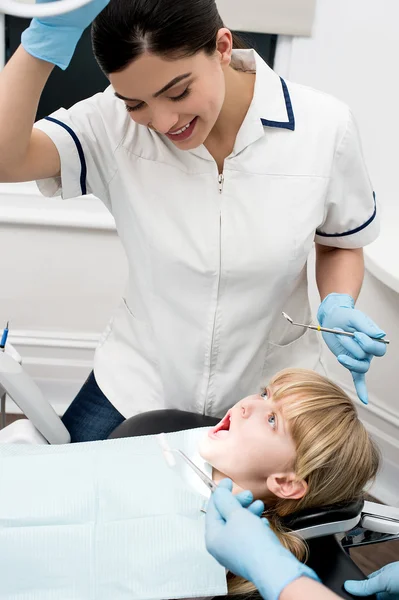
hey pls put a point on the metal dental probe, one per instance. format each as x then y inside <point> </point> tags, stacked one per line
<point>327,330</point>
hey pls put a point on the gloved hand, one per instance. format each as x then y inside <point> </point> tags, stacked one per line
<point>54,39</point>
<point>337,311</point>
<point>245,544</point>
<point>384,583</point>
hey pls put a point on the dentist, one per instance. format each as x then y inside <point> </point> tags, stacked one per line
<point>244,543</point>
<point>221,177</point>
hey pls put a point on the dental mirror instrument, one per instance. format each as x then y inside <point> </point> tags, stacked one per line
<point>326,330</point>
<point>170,459</point>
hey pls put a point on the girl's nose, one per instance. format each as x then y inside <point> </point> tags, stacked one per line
<point>248,407</point>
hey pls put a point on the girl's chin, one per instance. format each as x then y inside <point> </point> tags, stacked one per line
<point>207,448</point>
<point>204,449</point>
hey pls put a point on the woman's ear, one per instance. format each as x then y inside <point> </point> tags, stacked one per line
<point>287,486</point>
<point>224,46</point>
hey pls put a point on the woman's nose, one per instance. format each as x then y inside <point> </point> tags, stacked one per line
<point>164,122</point>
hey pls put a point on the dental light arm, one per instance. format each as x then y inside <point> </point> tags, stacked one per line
<point>48,9</point>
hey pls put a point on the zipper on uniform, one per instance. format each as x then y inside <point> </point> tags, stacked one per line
<point>221,182</point>
<point>211,351</point>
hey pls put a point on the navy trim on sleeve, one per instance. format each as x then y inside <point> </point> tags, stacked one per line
<point>352,231</point>
<point>83,167</point>
<point>290,124</point>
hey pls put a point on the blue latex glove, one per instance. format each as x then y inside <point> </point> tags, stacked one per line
<point>384,583</point>
<point>337,311</point>
<point>54,39</point>
<point>244,543</point>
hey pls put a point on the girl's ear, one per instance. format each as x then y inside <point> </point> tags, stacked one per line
<point>286,485</point>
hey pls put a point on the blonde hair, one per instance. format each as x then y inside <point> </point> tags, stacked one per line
<point>334,453</point>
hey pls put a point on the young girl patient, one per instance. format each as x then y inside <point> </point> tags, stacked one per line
<point>296,445</point>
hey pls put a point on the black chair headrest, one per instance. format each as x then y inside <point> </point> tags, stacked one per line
<point>327,514</point>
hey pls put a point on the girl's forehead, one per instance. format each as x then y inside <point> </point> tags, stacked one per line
<point>288,403</point>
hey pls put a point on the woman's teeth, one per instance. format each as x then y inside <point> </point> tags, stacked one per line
<point>182,129</point>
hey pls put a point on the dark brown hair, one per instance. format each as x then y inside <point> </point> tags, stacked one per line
<point>125,29</point>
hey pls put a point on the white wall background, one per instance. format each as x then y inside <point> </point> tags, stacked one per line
<point>62,272</point>
<point>62,268</point>
<point>352,54</point>
<point>292,17</point>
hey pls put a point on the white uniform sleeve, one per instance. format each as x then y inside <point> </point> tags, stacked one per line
<point>86,143</point>
<point>351,217</point>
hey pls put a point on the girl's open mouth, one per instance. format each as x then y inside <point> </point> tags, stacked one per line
<point>222,429</point>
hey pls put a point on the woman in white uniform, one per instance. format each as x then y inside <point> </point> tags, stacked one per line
<point>220,176</point>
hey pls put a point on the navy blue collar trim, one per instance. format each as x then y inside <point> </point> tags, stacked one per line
<point>83,167</point>
<point>352,231</point>
<point>290,124</point>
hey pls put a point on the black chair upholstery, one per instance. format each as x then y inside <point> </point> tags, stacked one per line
<point>326,555</point>
<point>161,421</point>
<point>333,565</point>
<point>319,516</point>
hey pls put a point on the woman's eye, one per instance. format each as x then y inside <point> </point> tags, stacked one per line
<point>173,98</point>
<point>263,394</point>
<point>133,108</point>
<point>271,419</point>
<point>181,96</point>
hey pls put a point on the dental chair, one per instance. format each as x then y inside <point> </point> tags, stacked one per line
<point>331,532</point>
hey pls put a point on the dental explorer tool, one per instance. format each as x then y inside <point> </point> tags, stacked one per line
<point>326,330</point>
<point>167,452</point>
<point>4,395</point>
<point>4,337</point>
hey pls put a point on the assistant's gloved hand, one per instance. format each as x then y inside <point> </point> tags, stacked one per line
<point>244,543</point>
<point>54,39</point>
<point>337,311</point>
<point>384,583</point>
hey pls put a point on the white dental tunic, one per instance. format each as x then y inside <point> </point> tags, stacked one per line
<point>214,260</point>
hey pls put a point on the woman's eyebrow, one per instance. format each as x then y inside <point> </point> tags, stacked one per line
<point>165,88</point>
<point>169,85</point>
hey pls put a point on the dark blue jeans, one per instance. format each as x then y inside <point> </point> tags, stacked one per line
<point>91,416</point>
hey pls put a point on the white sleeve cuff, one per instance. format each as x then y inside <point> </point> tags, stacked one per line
<point>355,237</point>
<point>72,182</point>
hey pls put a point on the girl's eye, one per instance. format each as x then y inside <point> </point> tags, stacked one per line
<point>271,419</point>
<point>181,96</point>
<point>263,394</point>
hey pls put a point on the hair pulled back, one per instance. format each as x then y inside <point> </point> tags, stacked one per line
<point>126,29</point>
